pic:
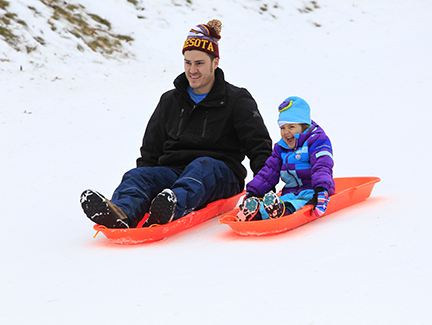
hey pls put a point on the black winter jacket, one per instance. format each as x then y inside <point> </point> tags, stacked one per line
<point>226,126</point>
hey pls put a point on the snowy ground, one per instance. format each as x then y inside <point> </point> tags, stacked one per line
<point>73,120</point>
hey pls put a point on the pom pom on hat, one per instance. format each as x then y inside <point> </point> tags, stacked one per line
<point>216,26</point>
<point>204,37</point>
<point>294,110</point>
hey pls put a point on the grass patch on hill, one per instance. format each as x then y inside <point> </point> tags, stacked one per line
<point>66,19</point>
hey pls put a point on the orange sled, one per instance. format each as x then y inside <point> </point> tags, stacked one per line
<point>349,191</point>
<point>141,235</point>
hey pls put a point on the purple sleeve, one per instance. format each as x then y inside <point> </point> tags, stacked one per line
<point>268,176</point>
<point>321,159</point>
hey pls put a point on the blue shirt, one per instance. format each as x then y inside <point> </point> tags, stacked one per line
<point>196,97</point>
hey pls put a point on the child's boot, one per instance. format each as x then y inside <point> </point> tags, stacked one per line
<point>249,209</point>
<point>273,205</point>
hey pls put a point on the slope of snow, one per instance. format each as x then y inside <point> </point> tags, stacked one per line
<point>72,120</point>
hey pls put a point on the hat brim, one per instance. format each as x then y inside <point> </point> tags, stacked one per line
<point>280,123</point>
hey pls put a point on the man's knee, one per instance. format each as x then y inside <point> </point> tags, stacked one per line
<point>132,173</point>
<point>205,161</point>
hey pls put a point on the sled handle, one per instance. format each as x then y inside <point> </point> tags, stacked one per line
<point>227,216</point>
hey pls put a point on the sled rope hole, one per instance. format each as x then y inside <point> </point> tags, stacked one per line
<point>99,231</point>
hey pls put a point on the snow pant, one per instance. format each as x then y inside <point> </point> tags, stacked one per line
<point>298,201</point>
<point>203,181</point>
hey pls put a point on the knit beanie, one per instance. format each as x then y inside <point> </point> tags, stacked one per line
<point>294,110</point>
<point>204,37</point>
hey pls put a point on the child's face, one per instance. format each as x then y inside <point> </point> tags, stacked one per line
<point>288,131</point>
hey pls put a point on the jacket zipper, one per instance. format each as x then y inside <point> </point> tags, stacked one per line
<point>204,124</point>
<point>180,122</point>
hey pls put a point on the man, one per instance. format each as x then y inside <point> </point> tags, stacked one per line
<point>193,145</point>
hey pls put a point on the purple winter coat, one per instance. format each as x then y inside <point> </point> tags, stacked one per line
<point>307,166</point>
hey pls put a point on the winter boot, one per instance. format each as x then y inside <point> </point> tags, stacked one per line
<point>162,208</point>
<point>249,210</point>
<point>273,205</point>
<point>102,211</point>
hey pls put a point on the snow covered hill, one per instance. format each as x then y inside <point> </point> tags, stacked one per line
<point>72,118</point>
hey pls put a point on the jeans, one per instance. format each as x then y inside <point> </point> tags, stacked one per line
<point>203,181</point>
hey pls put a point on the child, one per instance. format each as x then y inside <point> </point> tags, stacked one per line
<point>303,159</point>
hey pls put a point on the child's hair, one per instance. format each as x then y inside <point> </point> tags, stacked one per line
<point>304,126</point>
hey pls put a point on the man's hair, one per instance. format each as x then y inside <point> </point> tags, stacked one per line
<point>212,57</point>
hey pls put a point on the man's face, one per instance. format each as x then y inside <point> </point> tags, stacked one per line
<point>200,70</point>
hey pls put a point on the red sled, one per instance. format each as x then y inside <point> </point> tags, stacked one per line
<point>349,191</point>
<point>141,235</point>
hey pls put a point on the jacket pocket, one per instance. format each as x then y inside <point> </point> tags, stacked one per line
<point>180,122</point>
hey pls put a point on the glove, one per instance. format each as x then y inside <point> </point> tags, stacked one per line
<point>319,201</point>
